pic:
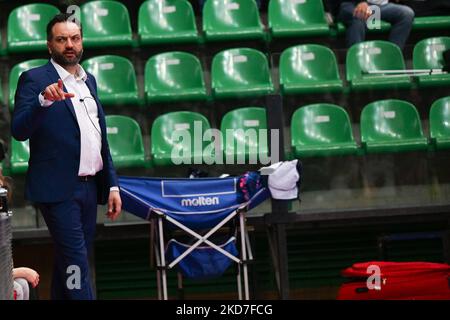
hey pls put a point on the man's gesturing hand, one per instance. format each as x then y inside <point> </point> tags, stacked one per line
<point>55,92</point>
<point>362,11</point>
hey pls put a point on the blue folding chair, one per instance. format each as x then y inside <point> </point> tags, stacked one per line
<point>199,207</point>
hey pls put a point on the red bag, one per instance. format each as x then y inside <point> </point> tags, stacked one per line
<point>380,280</point>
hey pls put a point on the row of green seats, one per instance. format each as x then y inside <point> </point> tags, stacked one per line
<point>386,126</point>
<point>107,23</point>
<point>172,76</point>
<point>127,147</point>
<point>316,130</point>
<point>379,56</point>
<point>309,68</point>
<point>312,68</point>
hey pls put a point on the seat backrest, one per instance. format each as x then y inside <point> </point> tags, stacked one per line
<point>172,71</point>
<point>181,122</point>
<point>319,124</point>
<point>165,17</point>
<point>388,120</point>
<point>124,136</point>
<point>237,68</point>
<point>104,18</point>
<point>20,154</point>
<point>114,74</point>
<point>15,73</point>
<point>440,118</point>
<point>295,13</point>
<point>29,23</point>
<point>220,15</point>
<point>308,63</point>
<point>240,130</point>
<point>372,56</point>
<point>428,53</point>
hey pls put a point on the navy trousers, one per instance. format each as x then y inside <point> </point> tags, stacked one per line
<point>401,18</point>
<point>71,224</point>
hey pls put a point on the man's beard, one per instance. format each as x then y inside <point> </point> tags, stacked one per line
<point>65,62</point>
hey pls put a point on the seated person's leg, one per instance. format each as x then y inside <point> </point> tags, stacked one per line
<point>401,18</point>
<point>356,27</point>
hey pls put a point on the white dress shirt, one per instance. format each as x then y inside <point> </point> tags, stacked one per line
<point>87,117</point>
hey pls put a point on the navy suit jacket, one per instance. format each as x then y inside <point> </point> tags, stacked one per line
<point>54,137</point>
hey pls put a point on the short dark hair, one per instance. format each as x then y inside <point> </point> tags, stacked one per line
<point>62,17</point>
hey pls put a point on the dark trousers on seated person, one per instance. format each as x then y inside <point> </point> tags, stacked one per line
<point>399,16</point>
<point>71,224</point>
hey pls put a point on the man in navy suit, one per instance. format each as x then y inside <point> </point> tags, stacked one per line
<point>70,167</point>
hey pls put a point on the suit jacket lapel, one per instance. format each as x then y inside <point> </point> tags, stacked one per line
<point>53,74</point>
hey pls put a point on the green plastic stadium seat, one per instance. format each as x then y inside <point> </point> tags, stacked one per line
<point>174,76</point>
<point>174,141</point>
<point>167,22</point>
<point>428,55</point>
<point>375,56</point>
<point>105,24</point>
<point>15,73</point>
<point>391,126</point>
<point>309,68</point>
<point>243,142</point>
<point>116,79</point>
<point>20,154</point>
<point>27,27</point>
<point>294,18</point>
<point>321,130</point>
<point>125,142</point>
<point>240,72</point>
<point>231,20</point>
<point>440,123</point>
<point>431,23</point>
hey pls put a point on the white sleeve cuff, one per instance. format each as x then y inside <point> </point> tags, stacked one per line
<point>114,189</point>
<point>44,102</point>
